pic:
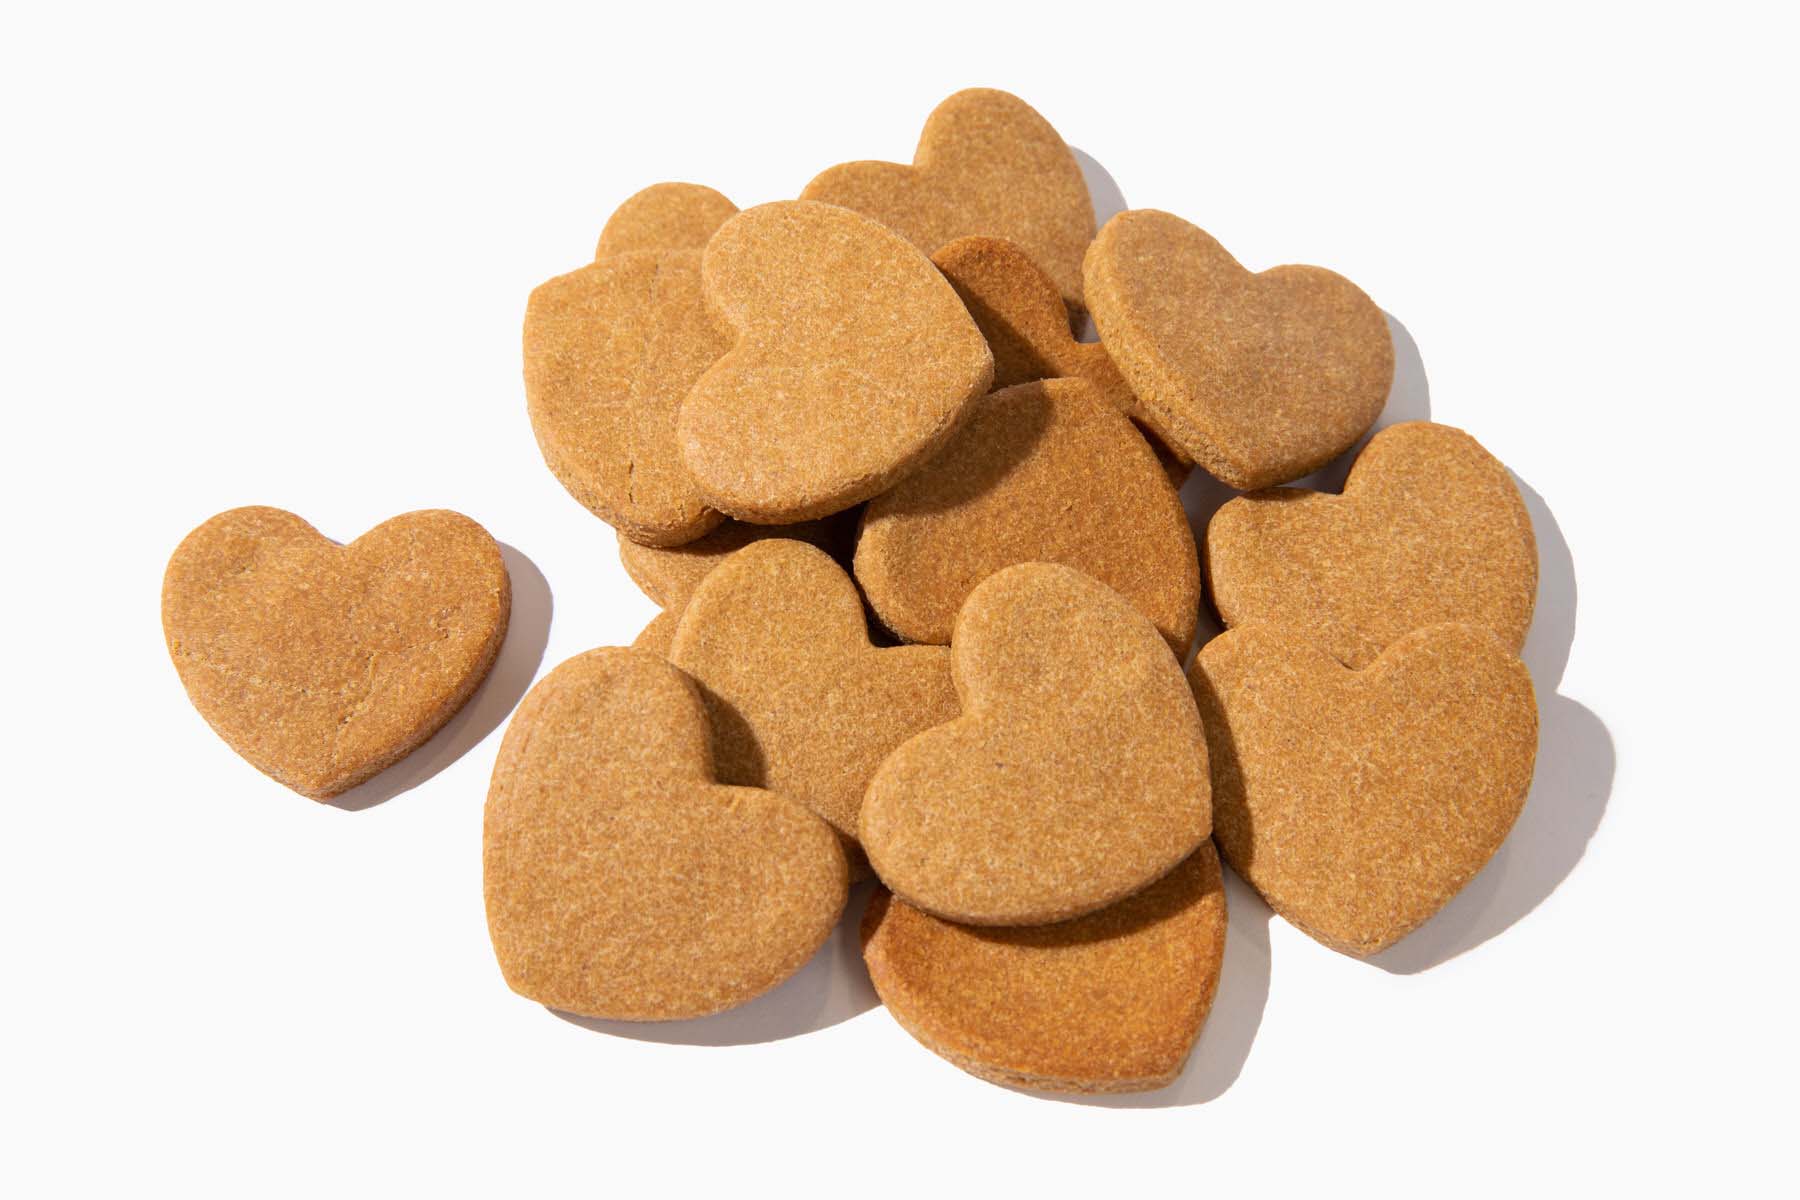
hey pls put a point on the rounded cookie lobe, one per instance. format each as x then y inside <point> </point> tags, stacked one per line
<point>665,216</point>
<point>1041,472</point>
<point>801,701</point>
<point>1076,775</point>
<point>659,634</point>
<point>1109,1002</point>
<point>620,881</point>
<point>321,664</point>
<point>854,362</point>
<point>610,351</point>
<point>1359,802</point>
<point>1430,529</point>
<point>1259,378</point>
<point>987,163</point>
<point>1018,310</point>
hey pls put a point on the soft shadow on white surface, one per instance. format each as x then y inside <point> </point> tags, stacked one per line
<point>1102,188</point>
<point>1230,1028</point>
<point>1409,399</point>
<point>832,987</point>
<point>1575,765</point>
<point>1108,201</point>
<point>527,633</point>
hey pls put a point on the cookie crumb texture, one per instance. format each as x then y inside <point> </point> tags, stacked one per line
<point>1359,802</point>
<point>323,664</point>
<point>1259,378</point>
<point>987,163</point>
<point>1109,1002</point>
<point>1042,472</point>
<point>800,700</point>
<point>1075,776</point>
<point>665,216</point>
<point>610,351</point>
<point>621,881</point>
<point>1430,529</point>
<point>853,362</point>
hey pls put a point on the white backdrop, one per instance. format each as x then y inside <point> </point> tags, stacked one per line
<point>282,259</point>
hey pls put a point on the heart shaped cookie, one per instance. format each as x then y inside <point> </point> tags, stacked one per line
<point>1018,310</point>
<point>1109,1002</point>
<point>1359,802</point>
<point>1260,378</point>
<point>621,881</point>
<point>669,575</point>
<point>610,351</point>
<point>1041,472</point>
<point>987,163</point>
<point>1075,776</point>
<point>800,700</point>
<point>854,362</point>
<point>665,216</point>
<point>1430,528</point>
<point>324,664</point>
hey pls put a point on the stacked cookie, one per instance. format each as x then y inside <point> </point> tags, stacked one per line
<point>928,590</point>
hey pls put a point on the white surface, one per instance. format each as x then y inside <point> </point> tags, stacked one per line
<point>283,260</point>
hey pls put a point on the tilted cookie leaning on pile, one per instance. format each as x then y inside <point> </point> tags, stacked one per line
<point>928,592</point>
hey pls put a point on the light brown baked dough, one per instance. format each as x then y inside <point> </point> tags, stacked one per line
<point>853,363</point>
<point>611,349</point>
<point>1430,529</point>
<point>621,881</point>
<point>324,664</point>
<point>1018,310</point>
<point>1075,776</point>
<point>1041,472</point>
<point>665,216</point>
<point>659,634</point>
<point>800,700</point>
<point>1259,378</point>
<point>1109,1002</point>
<point>669,575</point>
<point>1359,802</point>
<point>987,163</point>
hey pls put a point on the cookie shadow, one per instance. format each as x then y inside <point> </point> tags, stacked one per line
<point>831,988</point>
<point>1408,399</point>
<point>1009,435</point>
<point>1109,202</point>
<point>1569,792</point>
<point>527,633</point>
<point>1218,1057</point>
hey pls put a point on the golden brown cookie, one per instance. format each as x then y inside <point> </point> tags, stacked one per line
<point>659,634</point>
<point>324,664</point>
<point>1075,776</point>
<point>622,881</point>
<point>610,351</point>
<point>800,700</point>
<point>1018,310</point>
<point>1109,1002</point>
<point>1041,472</point>
<point>854,361</point>
<point>987,163</point>
<point>1260,378</point>
<point>665,216</point>
<point>669,575</point>
<point>1430,528</point>
<point>1359,802</point>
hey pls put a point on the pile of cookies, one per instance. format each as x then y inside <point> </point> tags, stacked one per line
<point>928,588</point>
